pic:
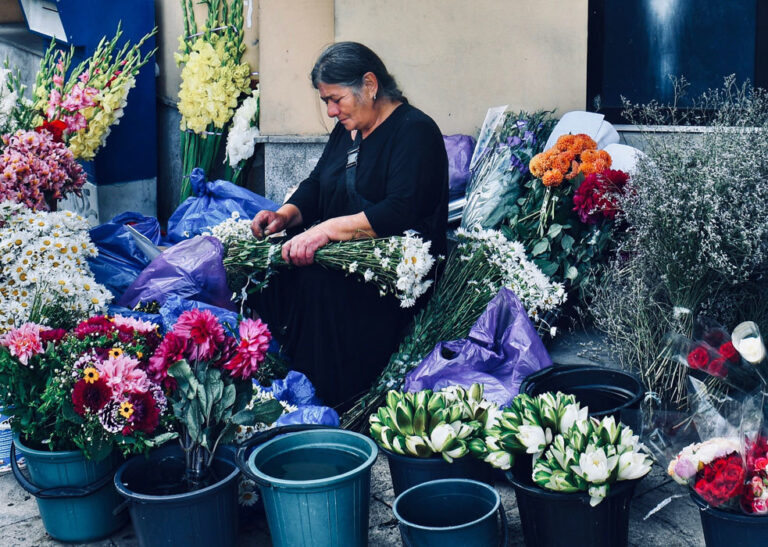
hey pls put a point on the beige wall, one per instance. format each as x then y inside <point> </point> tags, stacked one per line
<point>292,34</point>
<point>170,22</point>
<point>455,58</point>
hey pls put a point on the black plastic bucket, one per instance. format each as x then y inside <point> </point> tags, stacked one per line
<point>727,529</point>
<point>606,391</point>
<point>408,471</point>
<point>556,519</point>
<point>204,517</point>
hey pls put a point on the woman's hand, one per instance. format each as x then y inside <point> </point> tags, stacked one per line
<point>270,222</point>
<point>300,250</point>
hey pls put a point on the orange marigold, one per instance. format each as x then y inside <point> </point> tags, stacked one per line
<point>565,142</point>
<point>539,165</point>
<point>552,178</point>
<point>589,156</point>
<point>584,142</point>
<point>605,156</point>
<point>562,162</point>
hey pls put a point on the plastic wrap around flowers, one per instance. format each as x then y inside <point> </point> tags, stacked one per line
<point>397,265</point>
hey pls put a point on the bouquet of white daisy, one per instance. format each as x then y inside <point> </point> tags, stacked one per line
<point>482,263</point>
<point>398,265</point>
<point>44,275</point>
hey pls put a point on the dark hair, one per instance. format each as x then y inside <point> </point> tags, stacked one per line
<point>345,63</point>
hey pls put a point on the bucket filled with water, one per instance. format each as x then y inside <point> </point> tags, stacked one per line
<point>316,486</point>
<point>451,512</point>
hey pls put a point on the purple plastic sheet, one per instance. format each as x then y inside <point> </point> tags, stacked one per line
<point>192,270</point>
<point>459,149</point>
<point>502,349</point>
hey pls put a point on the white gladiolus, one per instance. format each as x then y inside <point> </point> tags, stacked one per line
<point>240,139</point>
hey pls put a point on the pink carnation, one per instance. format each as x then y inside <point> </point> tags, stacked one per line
<point>203,330</point>
<point>24,342</point>
<point>254,343</point>
<point>123,375</point>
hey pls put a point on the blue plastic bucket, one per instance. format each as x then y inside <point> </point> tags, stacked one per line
<point>75,496</point>
<point>728,529</point>
<point>450,512</point>
<point>316,487</point>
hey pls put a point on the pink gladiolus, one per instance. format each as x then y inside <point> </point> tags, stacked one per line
<point>252,349</point>
<point>23,342</point>
<point>123,375</point>
<point>203,330</point>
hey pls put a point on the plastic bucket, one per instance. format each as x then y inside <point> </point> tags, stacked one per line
<point>556,519</point>
<point>450,512</point>
<point>75,496</point>
<point>605,391</point>
<point>408,471</point>
<point>726,529</point>
<point>316,487</point>
<point>204,517</point>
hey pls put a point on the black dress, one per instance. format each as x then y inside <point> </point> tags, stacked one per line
<point>337,329</point>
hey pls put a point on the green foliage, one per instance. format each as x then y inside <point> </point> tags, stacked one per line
<point>211,404</point>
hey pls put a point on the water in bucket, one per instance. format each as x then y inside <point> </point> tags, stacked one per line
<point>316,487</point>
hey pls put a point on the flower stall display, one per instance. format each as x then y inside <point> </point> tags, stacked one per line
<point>240,139</point>
<point>213,79</point>
<point>688,248</point>
<point>78,105</point>
<point>44,275</point>
<point>398,265</point>
<point>483,262</point>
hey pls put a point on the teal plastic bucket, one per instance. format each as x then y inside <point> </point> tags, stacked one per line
<point>75,496</point>
<point>316,487</point>
<point>450,512</point>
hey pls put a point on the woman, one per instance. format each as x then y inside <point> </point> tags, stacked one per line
<point>383,171</point>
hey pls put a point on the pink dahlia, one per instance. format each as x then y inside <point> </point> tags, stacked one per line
<point>254,342</point>
<point>172,349</point>
<point>123,374</point>
<point>203,330</point>
<point>24,342</point>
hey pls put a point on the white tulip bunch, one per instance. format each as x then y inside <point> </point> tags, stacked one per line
<point>528,426</point>
<point>590,456</point>
<point>426,423</point>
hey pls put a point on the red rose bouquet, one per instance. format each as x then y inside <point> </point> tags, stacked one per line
<point>597,197</point>
<point>87,389</point>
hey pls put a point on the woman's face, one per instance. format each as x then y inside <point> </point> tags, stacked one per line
<point>342,104</point>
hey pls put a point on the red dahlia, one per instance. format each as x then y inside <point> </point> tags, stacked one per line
<point>90,396</point>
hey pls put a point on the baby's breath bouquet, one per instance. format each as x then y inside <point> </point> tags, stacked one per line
<point>213,78</point>
<point>79,104</point>
<point>398,265</point>
<point>482,263</point>
<point>43,269</point>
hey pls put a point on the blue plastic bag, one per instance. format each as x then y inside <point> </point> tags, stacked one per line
<point>502,349</point>
<point>312,414</point>
<point>191,270</point>
<point>295,389</point>
<point>120,260</point>
<point>155,318</point>
<point>211,204</point>
<point>175,305</point>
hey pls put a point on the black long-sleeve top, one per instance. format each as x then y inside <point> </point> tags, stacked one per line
<point>402,170</point>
